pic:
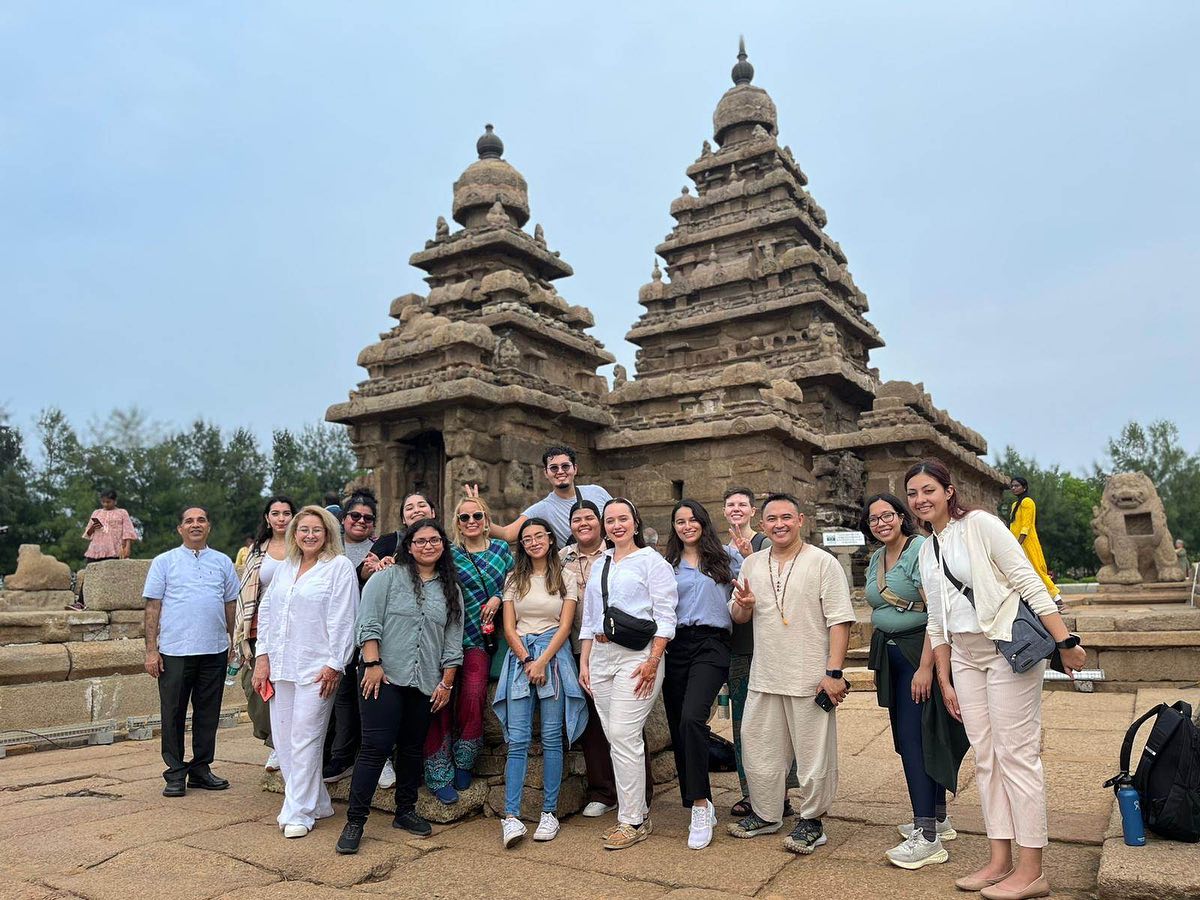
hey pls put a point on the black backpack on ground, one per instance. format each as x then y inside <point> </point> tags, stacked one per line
<point>1168,774</point>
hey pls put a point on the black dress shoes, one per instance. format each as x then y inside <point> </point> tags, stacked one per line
<point>351,836</point>
<point>174,789</point>
<point>207,782</point>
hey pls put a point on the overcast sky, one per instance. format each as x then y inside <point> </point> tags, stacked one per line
<point>207,207</point>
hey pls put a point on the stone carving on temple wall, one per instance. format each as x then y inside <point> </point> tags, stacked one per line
<point>620,376</point>
<point>465,469</point>
<point>539,235</point>
<point>442,231</point>
<point>507,353</point>
<point>518,483</point>
<point>840,478</point>
<point>1132,539</point>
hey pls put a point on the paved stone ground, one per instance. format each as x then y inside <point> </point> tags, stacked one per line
<point>91,823</point>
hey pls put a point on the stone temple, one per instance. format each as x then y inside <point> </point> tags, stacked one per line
<point>753,364</point>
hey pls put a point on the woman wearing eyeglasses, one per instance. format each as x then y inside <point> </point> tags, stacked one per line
<point>931,743</point>
<point>538,672</point>
<point>456,734</point>
<point>409,635</point>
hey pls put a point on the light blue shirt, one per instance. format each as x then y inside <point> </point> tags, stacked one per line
<point>557,511</point>
<point>701,600</point>
<point>194,588</point>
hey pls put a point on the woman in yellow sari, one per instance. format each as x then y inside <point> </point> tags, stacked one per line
<point>1022,522</point>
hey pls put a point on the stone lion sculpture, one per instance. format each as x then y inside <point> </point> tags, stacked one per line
<point>1132,539</point>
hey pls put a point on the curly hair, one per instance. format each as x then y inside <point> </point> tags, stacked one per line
<point>333,533</point>
<point>444,567</point>
<point>714,561</point>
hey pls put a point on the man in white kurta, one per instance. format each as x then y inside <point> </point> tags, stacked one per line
<point>801,613</point>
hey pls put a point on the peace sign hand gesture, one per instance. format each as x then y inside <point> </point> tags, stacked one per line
<point>743,546</point>
<point>743,596</point>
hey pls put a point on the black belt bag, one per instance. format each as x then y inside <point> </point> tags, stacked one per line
<point>619,626</point>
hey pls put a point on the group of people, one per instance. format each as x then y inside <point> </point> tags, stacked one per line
<point>367,652</point>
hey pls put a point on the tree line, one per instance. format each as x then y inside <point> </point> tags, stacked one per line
<point>49,486</point>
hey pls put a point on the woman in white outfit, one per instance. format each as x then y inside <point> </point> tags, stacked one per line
<point>1000,709</point>
<point>305,638</point>
<point>624,682</point>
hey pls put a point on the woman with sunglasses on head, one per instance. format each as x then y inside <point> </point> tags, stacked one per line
<point>415,507</point>
<point>409,635</point>
<point>266,555</point>
<point>540,596</point>
<point>931,743</point>
<point>697,662</point>
<point>635,587</point>
<point>456,734</point>
<point>976,575</point>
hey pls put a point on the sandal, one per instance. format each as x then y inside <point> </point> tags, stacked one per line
<point>741,809</point>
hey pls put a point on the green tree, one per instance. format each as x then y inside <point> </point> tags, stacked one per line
<point>17,504</point>
<point>306,465</point>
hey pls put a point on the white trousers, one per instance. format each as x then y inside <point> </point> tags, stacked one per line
<point>777,728</point>
<point>1002,714</point>
<point>623,715</point>
<point>299,719</point>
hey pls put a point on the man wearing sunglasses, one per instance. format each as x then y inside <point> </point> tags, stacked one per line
<point>560,469</point>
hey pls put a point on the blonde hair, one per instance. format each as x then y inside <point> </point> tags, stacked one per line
<point>333,534</point>
<point>487,519</point>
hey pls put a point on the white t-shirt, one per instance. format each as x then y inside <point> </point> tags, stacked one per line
<point>540,611</point>
<point>557,510</point>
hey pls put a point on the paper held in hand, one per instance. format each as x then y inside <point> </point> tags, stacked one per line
<point>842,539</point>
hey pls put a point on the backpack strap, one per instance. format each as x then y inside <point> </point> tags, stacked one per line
<point>757,541</point>
<point>962,589</point>
<point>1127,744</point>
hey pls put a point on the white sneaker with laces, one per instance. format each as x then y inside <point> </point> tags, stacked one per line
<point>512,830</point>
<point>272,763</point>
<point>916,852</point>
<point>596,809</point>
<point>945,831</point>
<point>547,829</point>
<point>700,834</point>
<point>387,778</point>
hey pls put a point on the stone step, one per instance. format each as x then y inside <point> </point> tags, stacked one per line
<point>21,601</point>
<point>1139,639</point>
<point>46,627</point>
<point>1145,618</point>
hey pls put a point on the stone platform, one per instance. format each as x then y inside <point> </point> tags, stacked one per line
<point>91,823</point>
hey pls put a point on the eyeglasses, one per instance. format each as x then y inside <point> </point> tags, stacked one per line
<point>531,540</point>
<point>555,469</point>
<point>361,517</point>
<point>467,517</point>
<point>883,518</point>
<point>427,542</point>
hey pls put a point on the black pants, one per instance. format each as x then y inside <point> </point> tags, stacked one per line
<point>200,681</point>
<point>697,661</point>
<point>398,717</point>
<point>345,725</point>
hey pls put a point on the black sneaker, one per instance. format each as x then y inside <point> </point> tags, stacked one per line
<point>788,812</point>
<point>807,836</point>
<point>334,771</point>
<point>412,823</point>
<point>752,826</point>
<point>351,836</point>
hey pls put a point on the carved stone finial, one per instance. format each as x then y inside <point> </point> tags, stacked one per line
<point>539,235</point>
<point>706,149</point>
<point>656,274</point>
<point>743,72</point>
<point>712,255</point>
<point>620,376</point>
<point>734,175</point>
<point>442,230</point>
<point>489,145</point>
<point>683,191</point>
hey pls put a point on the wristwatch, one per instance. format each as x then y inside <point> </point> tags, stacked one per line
<point>833,673</point>
<point>1072,640</point>
<point>527,660</point>
<point>368,663</point>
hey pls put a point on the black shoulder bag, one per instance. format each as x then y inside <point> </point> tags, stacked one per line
<point>619,626</point>
<point>1031,641</point>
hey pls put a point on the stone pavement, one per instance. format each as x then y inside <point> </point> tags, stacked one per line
<point>91,823</point>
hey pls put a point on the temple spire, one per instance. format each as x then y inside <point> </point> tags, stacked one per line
<point>743,72</point>
<point>489,145</point>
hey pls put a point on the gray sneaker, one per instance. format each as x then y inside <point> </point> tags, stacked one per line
<point>916,852</point>
<point>752,826</point>
<point>945,831</point>
<point>807,836</point>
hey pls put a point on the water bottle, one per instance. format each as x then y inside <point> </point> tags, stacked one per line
<point>232,672</point>
<point>1130,804</point>
<point>723,702</point>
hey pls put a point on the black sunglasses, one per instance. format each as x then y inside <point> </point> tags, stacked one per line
<point>467,517</point>
<point>357,516</point>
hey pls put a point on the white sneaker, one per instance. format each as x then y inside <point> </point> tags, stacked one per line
<point>512,830</point>
<point>272,763</point>
<point>294,831</point>
<point>916,852</point>
<point>945,831</point>
<point>700,834</point>
<point>596,809</point>
<point>387,778</point>
<point>547,829</point>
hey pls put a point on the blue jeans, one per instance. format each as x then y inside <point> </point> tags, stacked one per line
<point>923,791</point>
<point>520,731</point>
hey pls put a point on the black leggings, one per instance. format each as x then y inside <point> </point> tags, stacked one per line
<point>398,717</point>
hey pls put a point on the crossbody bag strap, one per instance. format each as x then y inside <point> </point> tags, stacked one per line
<point>482,578</point>
<point>962,589</point>
<point>604,581</point>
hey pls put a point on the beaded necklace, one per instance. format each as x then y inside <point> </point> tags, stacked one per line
<point>779,582</point>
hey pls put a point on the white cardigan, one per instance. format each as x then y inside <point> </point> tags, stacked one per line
<point>984,556</point>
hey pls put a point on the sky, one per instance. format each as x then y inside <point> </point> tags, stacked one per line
<point>207,208</point>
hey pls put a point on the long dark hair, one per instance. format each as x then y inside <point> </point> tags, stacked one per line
<point>522,569</point>
<point>424,496</point>
<point>937,470</point>
<point>714,561</point>
<point>908,522</point>
<point>264,527</point>
<point>638,540</point>
<point>444,567</point>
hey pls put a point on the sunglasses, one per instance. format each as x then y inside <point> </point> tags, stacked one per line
<point>467,517</point>
<point>361,517</point>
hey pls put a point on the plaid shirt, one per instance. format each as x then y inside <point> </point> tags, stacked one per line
<point>482,576</point>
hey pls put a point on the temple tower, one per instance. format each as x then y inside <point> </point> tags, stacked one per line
<point>488,367</point>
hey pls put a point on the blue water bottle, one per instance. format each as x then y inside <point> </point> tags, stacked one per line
<point>1131,816</point>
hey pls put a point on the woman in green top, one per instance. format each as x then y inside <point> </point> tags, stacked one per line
<point>930,742</point>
